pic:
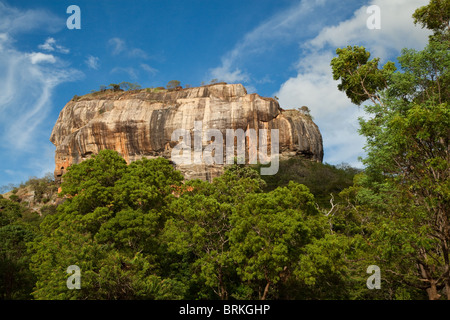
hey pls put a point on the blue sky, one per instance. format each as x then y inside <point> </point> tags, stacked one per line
<point>277,48</point>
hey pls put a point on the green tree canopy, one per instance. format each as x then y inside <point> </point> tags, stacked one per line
<point>16,280</point>
<point>107,226</point>
<point>361,79</point>
<point>173,84</point>
<point>435,16</point>
<point>407,163</point>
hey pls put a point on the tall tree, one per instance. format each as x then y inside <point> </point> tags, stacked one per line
<point>407,151</point>
<point>435,16</point>
<point>173,84</point>
<point>108,226</point>
<point>199,229</point>
<point>16,280</point>
<point>270,230</point>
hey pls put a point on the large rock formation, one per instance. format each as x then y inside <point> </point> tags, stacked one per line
<point>140,124</point>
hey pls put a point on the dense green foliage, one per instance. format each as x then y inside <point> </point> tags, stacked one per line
<point>140,232</point>
<point>18,227</point>
<point>355,70</point>
<point>406,187</point>
<point>435,16</point>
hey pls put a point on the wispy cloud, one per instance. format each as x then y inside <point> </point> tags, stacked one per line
<point>148,69</point>
<point>119,46</point>
<point>25,97</point>
<point>397,29</point>
<point>138,53</point>
<point>39,57</point>
<point>132,73</point>
<point>284,26</point>
<point>92,62</point>
<point>28,83</point>
<point>16,21</point>
<point>314,85</point>
<point>228,72</point>
<point>51,45</point>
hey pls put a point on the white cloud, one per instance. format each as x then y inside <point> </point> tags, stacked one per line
<point>284,26</point>
<point>265,79</point>
<point>397,29</point>
<point>130,71</point>
<point>39,57</point>
<point>16,21</point>
<point>133,73</point>
<point>28,81</point>
<point>50,45</point>
<point>26,95</point>
<point>137,53</point>
<point>4,39</point>
<point>117,44</point>
<point>332,112</point>
<point>226,72</point>
<point>314,85</point>
<point>93,62</point>
<point>149,69</point>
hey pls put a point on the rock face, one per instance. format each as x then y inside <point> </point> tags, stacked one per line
<point>140,124</point>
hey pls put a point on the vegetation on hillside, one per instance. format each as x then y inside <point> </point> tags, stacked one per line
<point>165,238</point>
<point>128,86</point>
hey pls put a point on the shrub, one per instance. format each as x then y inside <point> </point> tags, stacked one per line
<point>115,87</point>
<point>173,84</point>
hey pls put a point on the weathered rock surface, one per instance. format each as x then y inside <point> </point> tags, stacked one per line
<point>140,124</point>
